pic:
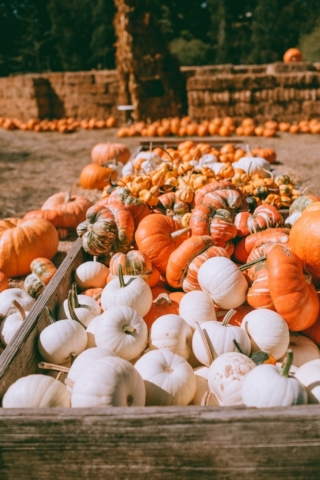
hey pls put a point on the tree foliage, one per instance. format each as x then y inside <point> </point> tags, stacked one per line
<point>52,35</point>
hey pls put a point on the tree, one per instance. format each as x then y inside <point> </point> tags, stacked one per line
<point>103,35</point>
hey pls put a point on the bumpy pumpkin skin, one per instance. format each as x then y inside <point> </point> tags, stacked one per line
<point>21,241</point>
<point>304,240</point>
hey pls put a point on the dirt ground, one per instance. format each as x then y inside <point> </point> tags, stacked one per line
<point>33,166</point>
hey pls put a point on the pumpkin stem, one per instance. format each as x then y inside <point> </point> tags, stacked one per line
<point>162,298</point>
<point>68,197</point>
<point>121,279</point>
<point>72,312</point>
<point>97,296</point>
<point>246,266</point>
<point>53,366</point>
<point>286,367</point>
<point>49,315</point>
<point>206,399</point>
<point>203,335</point>
<point>128,329</point>
<point>228,317</point>
<point>73,356</point>
<point>236,344</point>
<point>74,296</point>
<point>8,223</point>
<point>20,309</point>
<point>95,258</point>
<point>177,233</point>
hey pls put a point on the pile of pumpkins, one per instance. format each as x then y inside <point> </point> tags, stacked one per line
<point>189,301</point>
<point>169,178</point>
<point>225,127</point>
<point>62,125</point>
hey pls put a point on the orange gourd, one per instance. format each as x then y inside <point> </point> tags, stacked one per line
<point>162,305</point>
<point>294,298</point>
<point>105,152</point>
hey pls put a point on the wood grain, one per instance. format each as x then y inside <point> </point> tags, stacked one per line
<point>160,443</point>
<point>21,357</point>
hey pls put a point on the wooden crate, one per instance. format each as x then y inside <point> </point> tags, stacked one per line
<point>167,443</point>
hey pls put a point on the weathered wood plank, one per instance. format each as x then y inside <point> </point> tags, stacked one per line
<point>20,358</point>
<point>167,443</point>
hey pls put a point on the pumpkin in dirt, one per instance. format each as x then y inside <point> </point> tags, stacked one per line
<point>106,152</point>
<point>22,241</point>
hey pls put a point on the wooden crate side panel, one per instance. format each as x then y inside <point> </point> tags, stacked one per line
<point>161,443</point>
<point>20,358</point>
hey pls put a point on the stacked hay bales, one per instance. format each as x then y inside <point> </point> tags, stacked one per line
<point>287,92</point>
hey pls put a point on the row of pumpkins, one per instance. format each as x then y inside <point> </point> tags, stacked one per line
<point>186,312</point>
<point>62,125</point>
<point>224,127</point>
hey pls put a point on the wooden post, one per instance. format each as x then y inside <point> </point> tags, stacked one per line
<point>150,77</point>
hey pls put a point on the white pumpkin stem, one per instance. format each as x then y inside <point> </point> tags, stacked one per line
<point>72,312</point>
<point>228,317</point>
<point>59,375</point>
<point>69,382</point>
<point>53,366</point>
<point>68,196</point>
<point>162,298</point>
<point>205,342</point>
<point>206,399</point>
<point>95,258</point>
<point>128,329</point>
<point>97,296</point>
<point>73,356</point>
<point>246,266</point>
<point>74,298</point>
<point>236,344</point>
<point>20,309</point>
<point>49,315</point>
<point>287,365</point>
<point>177,233</point>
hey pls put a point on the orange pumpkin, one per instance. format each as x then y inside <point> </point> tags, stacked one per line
<point>244,247</point>
<point>4,281</point>
<point>21,241</point>
<point>304,239</point>
<point>95,176</point>
<point>292,55</point>
<point>158,236</point>
<point>294,298</point>
<point>105,152</point>
<point>162,305</point>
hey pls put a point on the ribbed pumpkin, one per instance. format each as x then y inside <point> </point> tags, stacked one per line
<point>264,217</point>
<point>294,298</point>
<point>162,305</point>
<point>133,263</point>
<point>21,241</point>
<point>218,223</point>
<point>245,245</point>
<point>304,239</point>
<point>185,261</point>
<point>95,176</point>
<point>105,152</point>
<point>158,236</point>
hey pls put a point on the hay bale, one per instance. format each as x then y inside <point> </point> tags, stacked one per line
<point>281,67</point>
<point>299,80</point>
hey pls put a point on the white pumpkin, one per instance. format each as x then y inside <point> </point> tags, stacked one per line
<point>219,337</point>
<point>304,349</point>
<point>122,330</point>
<point>58,340</point>
<point>36,391</point>
<point>91,330</point>
<point>11,324</point>
<point>226,376</point>
<point>130,291</point>
<point>10,294</point>
<point>85,308</point>
<point>253,165</point>
<point>268,332</point>
<point>82,361</point>
<point>309,375</point>
<point>91,274</point>
<point>270,386</point>
<point>197,306</point>
<point>109,382</point>
<point>172,333</point>
<point>169,379</point>
<point>223,281</point>
<point>203,396</point>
